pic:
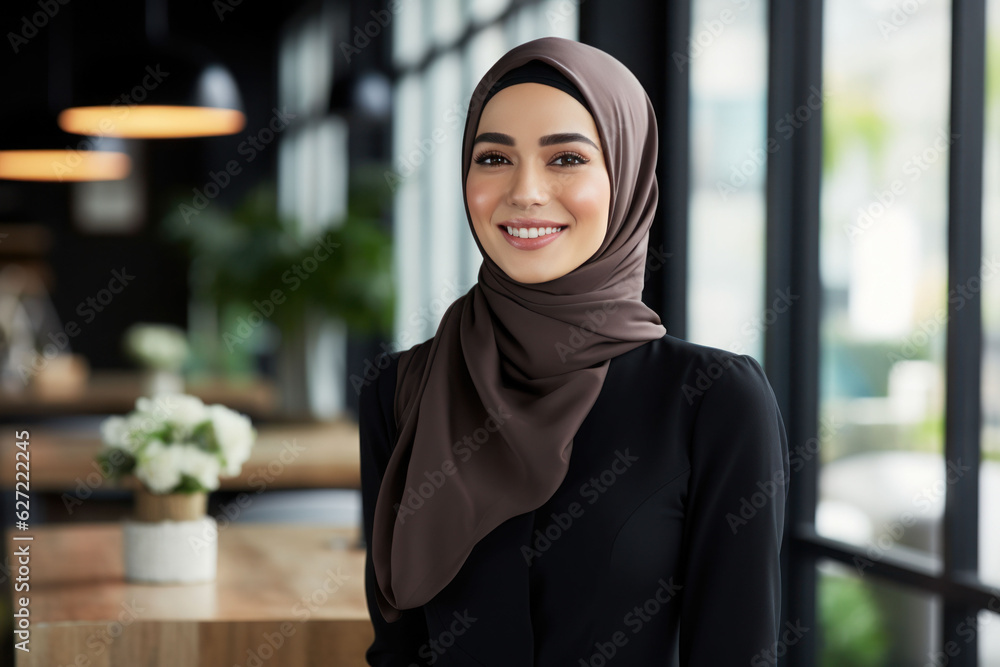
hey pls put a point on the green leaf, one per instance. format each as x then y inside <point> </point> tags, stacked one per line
<point>188,484</point>
<point>203,436</point>
<point>117,463</point>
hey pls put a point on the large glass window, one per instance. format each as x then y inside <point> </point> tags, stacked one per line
<point>726,306</point>
<point>870,623</point>
<point>884,265</point>
<point>888,197</point>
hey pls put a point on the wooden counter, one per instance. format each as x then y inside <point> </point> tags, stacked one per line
<point>115,391</point>
<point>285,456</point>
<point>285,595</point>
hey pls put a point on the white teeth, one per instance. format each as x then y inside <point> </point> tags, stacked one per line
<point>531,232</point>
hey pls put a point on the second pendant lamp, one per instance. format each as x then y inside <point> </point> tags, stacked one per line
<point>168,89</point>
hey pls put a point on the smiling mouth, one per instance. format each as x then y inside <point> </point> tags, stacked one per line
<point>531,232</point>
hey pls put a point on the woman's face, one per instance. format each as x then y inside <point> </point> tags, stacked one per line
<point>538,167</point>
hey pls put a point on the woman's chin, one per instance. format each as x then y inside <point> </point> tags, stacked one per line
<point>532,275</point>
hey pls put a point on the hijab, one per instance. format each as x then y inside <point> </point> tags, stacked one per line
<point>487,409</point>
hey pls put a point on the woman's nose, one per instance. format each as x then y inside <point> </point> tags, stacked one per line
<point>528,186</point>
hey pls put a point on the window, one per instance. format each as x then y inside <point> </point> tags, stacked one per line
<point>882,371</point>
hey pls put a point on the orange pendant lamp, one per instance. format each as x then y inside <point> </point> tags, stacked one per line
<point>169,89</point>
<point>33,149</point>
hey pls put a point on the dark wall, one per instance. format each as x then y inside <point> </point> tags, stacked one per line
<point>41,61</point>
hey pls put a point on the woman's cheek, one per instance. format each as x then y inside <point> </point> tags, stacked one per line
<point>589,198</point>
<point>481,201</point>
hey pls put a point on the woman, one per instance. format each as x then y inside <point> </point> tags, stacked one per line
<point>551,479</point>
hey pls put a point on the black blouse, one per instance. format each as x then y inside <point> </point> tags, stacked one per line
<point>660,547</point>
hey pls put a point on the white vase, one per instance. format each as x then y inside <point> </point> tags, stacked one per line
<point>170,539</point>
<point>162,382</point>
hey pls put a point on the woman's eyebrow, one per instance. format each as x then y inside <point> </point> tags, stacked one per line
<point>547,140</point>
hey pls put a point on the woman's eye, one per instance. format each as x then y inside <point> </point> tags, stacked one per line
<point>490,159</point>
<point>571,159</point>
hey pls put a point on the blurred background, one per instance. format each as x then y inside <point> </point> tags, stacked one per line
<point>315,221</point>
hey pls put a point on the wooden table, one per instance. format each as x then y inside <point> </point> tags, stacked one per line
<point>285,456</point>
<point>285,595</point>
<point>115,391</point>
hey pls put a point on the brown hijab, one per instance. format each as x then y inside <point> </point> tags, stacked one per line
<point>487,409</point>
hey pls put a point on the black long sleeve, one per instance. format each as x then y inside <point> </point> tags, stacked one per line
<point>396,644</point>
<point>733,523</point>
<point>660,547</point>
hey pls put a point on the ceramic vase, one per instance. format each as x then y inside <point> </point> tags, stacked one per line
<point>170,539</point>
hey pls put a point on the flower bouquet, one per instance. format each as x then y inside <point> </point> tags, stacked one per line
<point>177,447</point>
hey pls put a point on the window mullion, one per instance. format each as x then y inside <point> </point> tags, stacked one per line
<point>964,351</point>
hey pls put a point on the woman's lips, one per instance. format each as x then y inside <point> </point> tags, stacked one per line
<point>529,243</point>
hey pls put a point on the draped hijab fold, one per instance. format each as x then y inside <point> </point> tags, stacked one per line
<point>487,409</point>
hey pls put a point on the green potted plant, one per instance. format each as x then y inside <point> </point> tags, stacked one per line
<point>257,271</point>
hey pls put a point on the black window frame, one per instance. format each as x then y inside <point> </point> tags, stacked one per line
<point>655,30</point>
<point>792,345</point>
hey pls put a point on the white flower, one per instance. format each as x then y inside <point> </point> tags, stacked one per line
<point>202,465</point>
<point>158,466</point>
<point>114,432</point>
<point>181,409</point>
<point>159,346</point>
<point>235,435</point>
<point>123,432</point>
<point>185,411</point>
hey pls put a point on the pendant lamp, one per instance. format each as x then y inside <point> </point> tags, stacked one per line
<point>33,150</point>
<point>168,89</point>
<point>362,97</point>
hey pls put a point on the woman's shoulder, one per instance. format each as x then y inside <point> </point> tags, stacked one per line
<point>701,370</point>
<point>376,383</point>
<point>376,387</point>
